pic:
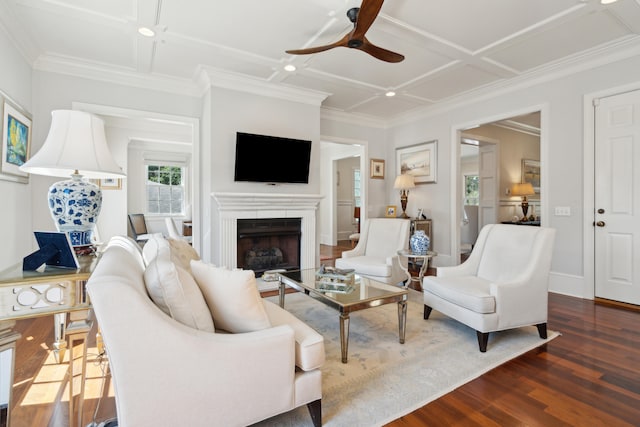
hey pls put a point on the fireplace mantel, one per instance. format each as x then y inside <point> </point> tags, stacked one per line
<point>229,207</point>
<point>258,201</point>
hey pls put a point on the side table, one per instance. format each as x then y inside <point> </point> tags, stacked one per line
<point>52,291</point>
<point>421,259</point>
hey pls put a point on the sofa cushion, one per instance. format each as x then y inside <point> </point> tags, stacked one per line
<point>176,293</point>
<point>232,296</point>
<point>182,253</point>
<point>470,292</point>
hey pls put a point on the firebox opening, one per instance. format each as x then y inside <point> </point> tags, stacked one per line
<point>269,243</point>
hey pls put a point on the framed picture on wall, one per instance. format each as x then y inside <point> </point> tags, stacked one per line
<point>377,168</point>
<point>419,160</point>
<point>16,141</point>
<point>531,173</point>
<point>111,183</point>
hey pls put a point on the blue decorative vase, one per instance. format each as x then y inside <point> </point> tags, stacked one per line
<point>419,243</point>
<point>75,205</point>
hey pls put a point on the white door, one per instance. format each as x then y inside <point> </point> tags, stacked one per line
<point>617,197</point>
<point>488,184</point>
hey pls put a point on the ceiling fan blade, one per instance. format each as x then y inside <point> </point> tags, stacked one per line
<point>369,10</point>
<point>342,42</point>
<point>380,53</point>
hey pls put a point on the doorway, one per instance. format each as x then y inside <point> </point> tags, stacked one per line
<point>336,209</point>
<point>503,146</point>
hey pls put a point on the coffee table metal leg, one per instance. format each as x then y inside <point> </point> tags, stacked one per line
<point>281,292</point>
<point>344,336</point>
<point>402,319</point>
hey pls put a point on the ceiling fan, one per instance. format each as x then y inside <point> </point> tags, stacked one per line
<point>362,18</point>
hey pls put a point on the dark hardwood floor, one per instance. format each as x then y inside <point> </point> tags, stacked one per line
<point>589,376</point>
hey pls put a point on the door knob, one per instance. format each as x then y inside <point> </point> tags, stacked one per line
<point>600,223</point>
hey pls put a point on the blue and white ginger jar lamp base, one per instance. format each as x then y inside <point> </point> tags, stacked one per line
<point>419,243</point>
<point>75,205</point>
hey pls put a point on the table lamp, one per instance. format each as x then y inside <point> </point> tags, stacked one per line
<point>77,146</point>
<point>523,189</point>
<point>404,182</point>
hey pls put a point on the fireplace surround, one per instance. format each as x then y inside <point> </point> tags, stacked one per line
<point>228,208</point>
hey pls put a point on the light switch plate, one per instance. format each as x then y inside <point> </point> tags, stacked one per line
<point>563,211</point>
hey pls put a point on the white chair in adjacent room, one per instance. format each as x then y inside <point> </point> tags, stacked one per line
<point>502,285</point>
<point>376,254</point>
<point>173,232</point>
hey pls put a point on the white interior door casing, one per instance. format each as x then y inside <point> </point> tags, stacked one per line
<point>617,197</point>
<point>488,184</point>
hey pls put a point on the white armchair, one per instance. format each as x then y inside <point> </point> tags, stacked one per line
<point>376,254</point>
<point>502,285</point>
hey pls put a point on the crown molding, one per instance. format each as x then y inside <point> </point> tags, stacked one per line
<point>9,26</point>
<point>222,79</point>
<point>603,55</point>
<point>352,118</point>
<point>110,74</point>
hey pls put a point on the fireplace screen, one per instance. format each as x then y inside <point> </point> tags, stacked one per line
<point>268,244</point>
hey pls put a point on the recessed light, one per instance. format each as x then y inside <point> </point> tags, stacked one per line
<point>290,67</point>
<point>607,1</point>
<point>147,32</point>
<point>390,94</point>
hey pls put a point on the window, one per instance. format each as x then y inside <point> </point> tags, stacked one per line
<point>471,190</point>
<point>165,189</point>
<point>356,188</point>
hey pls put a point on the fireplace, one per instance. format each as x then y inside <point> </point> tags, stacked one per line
<point>268,244</point>
<point>231,208</point>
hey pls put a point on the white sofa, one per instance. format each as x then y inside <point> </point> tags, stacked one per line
<point>376,254</point>
<point>166,373</point>
<point>502,285</point>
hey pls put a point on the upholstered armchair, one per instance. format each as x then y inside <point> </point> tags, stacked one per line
<point>502,285</point>
<point>376,254</point>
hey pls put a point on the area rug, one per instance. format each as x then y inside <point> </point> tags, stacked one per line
<point>383,379</point>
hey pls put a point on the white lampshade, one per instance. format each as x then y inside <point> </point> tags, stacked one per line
<point>404,182</point>
<point>76,146</point>
<point>76,142</point>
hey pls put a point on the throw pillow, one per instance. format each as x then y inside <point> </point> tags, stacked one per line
<point>176,293</point>
<point>232,296</point>
<point>182,253</point>
<point>152,247</point>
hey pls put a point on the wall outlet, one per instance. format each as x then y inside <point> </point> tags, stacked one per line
<point>563,211</point>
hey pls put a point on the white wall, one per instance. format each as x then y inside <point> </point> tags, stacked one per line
<point>16,234</point>
<point>561,102</point>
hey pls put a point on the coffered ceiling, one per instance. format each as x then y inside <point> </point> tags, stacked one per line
<point>453,48</point>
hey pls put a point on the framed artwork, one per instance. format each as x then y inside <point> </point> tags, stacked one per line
<point>391,211</point>
<point>531,173</point>
<point>111,183</point>
<point>419,160</point>
<point>16,141</point>
<point>377,168</point>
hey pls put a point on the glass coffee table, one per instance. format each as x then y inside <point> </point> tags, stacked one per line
<point>361,294</point>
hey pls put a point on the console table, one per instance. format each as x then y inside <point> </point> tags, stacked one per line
<point>50,291</point>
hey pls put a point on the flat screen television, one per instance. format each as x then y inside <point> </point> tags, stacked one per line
<point>271,159</point>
